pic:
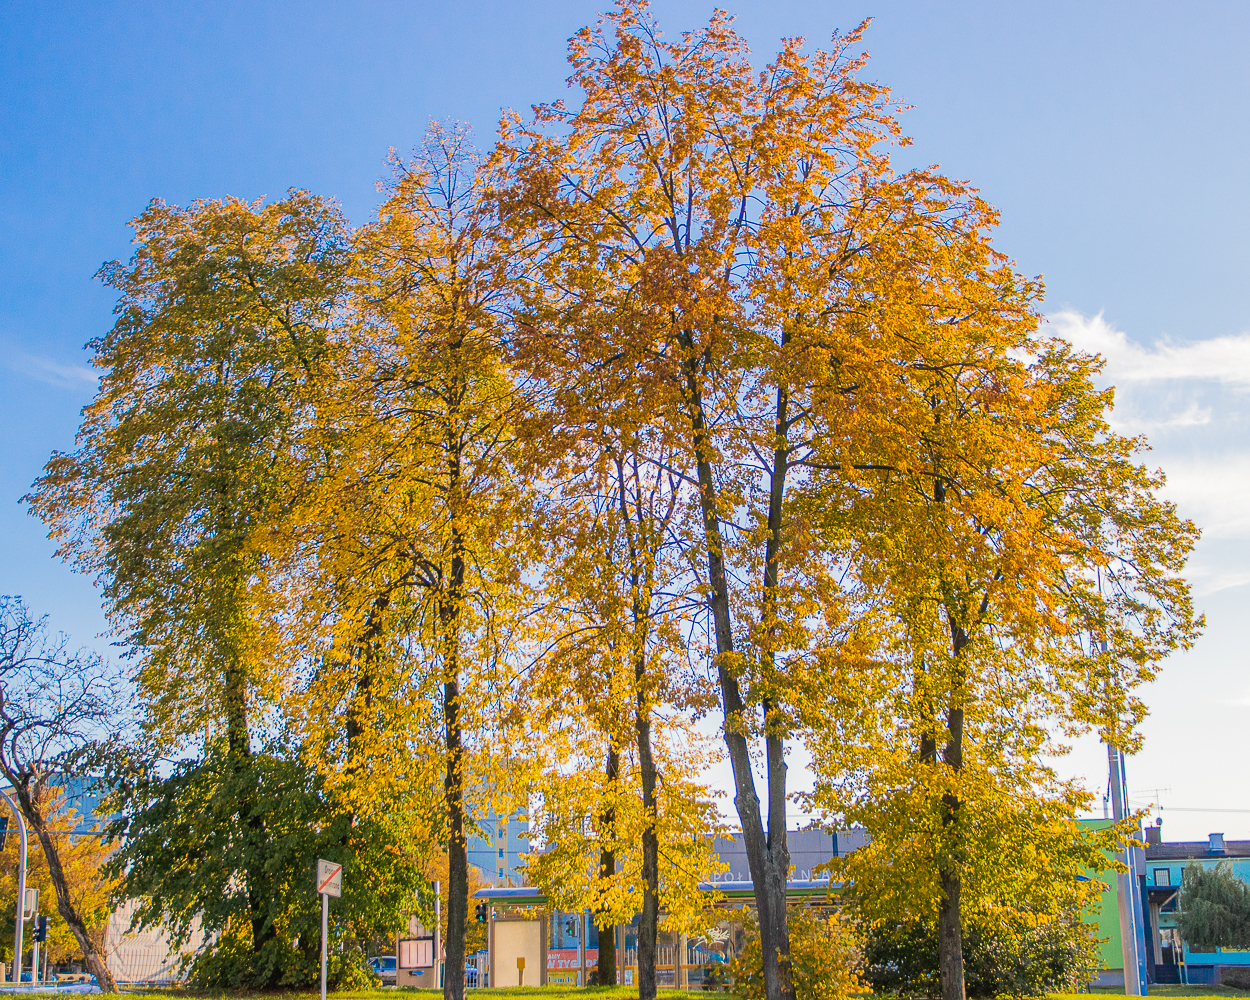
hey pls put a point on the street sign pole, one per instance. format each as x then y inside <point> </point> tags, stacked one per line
<point>439,972</point>
<point>329,883</point>
<point>325,933</point>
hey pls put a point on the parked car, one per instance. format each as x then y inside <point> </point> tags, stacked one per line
<point>385,968</point>
<point>475,974</point>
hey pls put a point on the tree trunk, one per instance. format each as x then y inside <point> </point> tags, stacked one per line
<point>774,748</point>
<point>457,849</point>
<point>649,920</point>
<point>950,916</point>
<point>606,966</point>
<point>768,855</point>
<point>457,845</point>
<point>358,709</point>
<point>64,903</point>
<point>950,937</point>
<point>640,598</point>
<point>239,764</point>
<point>450,612</point>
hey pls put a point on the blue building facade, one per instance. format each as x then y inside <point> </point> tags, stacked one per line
<point>497,851</point>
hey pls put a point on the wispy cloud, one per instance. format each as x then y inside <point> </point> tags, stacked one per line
<point>1194,416</point>
<point>52,372</point>
<point>1213,491</point>
<point>1220,359</point>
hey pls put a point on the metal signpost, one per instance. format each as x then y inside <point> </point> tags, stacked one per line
<point>21,891</point>
<point>329,883</point>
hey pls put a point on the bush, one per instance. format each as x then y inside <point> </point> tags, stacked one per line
<point>823,958</point>
<point>1024,959</point>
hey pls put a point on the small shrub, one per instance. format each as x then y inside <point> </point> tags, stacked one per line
<point>823,958</point>
<point>1026,959</point>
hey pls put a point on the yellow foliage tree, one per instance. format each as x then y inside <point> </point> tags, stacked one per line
<point>737,245</point>
<point>1001,538</point>
<point>82,856</point>
<point>411,558</point>
<point>611,694</point>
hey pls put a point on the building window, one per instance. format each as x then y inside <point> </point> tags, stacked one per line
<point>1163,876</point>
<point>501,873</point>
<point>501,852</point>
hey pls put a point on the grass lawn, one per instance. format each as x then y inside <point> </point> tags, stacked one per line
<point>592,993</point>
<point>545,992</point>
<point>1162,991</point>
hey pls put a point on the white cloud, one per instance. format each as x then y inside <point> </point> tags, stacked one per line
<point>1194,416</point>
<point>1212,491</point>
<point>1221,359</point>
<point>52,372</point>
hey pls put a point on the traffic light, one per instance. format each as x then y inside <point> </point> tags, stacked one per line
<point>41,928</point>
<point>482,910</point>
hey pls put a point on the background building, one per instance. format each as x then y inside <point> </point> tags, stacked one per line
<point>1164,865</point>
<point>496,852</point>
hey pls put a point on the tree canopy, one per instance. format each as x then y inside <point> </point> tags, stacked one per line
<point>678,404</point>
<point>1214,910</point>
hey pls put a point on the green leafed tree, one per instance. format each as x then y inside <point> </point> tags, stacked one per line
<point>184,461</point>
<point>1214,908</point>
<point>191,837</point>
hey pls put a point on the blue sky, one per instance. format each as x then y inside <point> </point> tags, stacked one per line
<point>1113,136</point>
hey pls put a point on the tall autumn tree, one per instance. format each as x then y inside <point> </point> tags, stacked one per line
<point>1019,571</point>
<point>737,242</point>
<point>620,605</point>
<point>439,451</point>
<point>184,459</point>
<point>57,708</point>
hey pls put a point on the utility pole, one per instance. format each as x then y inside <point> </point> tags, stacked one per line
<point>1128,892</point>
<point>34,953</point>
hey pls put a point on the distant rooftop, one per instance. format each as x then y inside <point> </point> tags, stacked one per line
<point>1214,847</point>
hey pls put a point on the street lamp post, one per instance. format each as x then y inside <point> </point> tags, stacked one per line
<point>21,891</point>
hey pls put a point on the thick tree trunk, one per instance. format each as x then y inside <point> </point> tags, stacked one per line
<point>457,849</point>
<point>450,612</point>
<point>950,938</point>
<point>649,919</point>
<point>768,855</point>
<point>606,966</point>
<point>64,903</point>
<point>950,916</point>
<point>239,757</point>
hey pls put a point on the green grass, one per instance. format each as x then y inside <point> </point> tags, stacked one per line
<point>1161,991</point>
<point>546,992</point>
<point>590,993</point>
